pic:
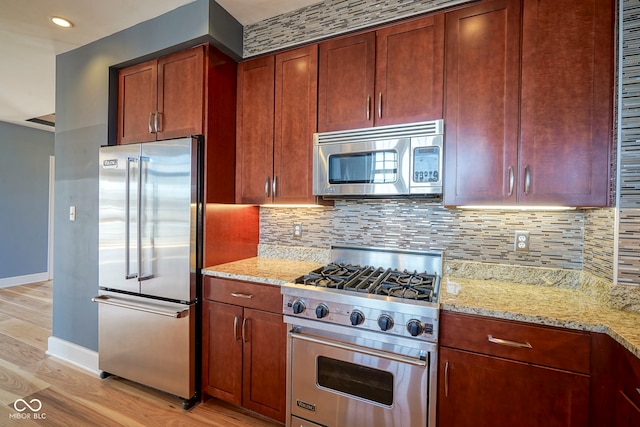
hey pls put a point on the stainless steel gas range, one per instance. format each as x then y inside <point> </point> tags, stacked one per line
<point>362,343</point>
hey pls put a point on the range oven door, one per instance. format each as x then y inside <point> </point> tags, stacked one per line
<point>336,383</point>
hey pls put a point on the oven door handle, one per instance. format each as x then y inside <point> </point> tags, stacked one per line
<point>362,350</point>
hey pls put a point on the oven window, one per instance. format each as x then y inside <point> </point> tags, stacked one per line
<point>357,380</point>
<point>364,168</point>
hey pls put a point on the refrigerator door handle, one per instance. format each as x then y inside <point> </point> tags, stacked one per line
<point>103,299</point>
<point>141,275</point>
<point>127,221</point>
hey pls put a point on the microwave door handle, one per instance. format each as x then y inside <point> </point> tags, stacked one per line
<point>127,220</point>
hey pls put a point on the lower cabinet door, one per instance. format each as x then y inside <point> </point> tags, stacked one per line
<point>264,378</point>
<point>627,413</point>
<point>223,351</point>
<point>478,390</point>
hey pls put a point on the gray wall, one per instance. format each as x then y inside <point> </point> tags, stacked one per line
<point>24,199</point>
<point>82,125</point>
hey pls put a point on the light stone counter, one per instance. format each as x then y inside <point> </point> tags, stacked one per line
<point>270,271</point>
<point>553,306</point>
<point>557,299</point>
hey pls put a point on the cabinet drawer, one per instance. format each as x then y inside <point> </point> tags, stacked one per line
<point>245,294</point>
<point>557,348</point>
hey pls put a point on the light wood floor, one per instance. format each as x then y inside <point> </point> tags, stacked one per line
<point>72,396</point>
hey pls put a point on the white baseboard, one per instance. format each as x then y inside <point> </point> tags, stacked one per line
<point>23,280</point>
<point>73,353</point>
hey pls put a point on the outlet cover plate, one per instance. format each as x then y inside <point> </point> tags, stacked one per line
<point>521,241</point>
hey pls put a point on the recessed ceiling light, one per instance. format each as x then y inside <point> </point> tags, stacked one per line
<point>61,22</point>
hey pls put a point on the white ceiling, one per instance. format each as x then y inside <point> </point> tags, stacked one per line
<point>29,42</point>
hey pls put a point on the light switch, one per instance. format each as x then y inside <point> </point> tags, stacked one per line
<point>72,213</point>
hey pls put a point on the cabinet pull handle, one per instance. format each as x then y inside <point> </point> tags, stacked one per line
<point>156,121</point>
<point>239,295</point>
<point>151,120</point>
<point>527,179</point>
<point>380,105</point>
<point>511,179</point>
<point>274,186</point>
<point>266,187</point>
<point>235,328</point>
<point>244,329</point>
<point>446,379</point>
<point>509,343</point>
<point>368,107</point>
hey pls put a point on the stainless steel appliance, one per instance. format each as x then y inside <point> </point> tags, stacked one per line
<point>385,161</point>
<point>150,257</point>
<point>362,346</point>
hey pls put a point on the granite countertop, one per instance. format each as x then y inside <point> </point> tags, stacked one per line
<point>270,271</point>
<point>544,305</point>
<point>552,306</point>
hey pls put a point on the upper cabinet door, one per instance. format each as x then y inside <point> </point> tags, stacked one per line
<point>163,98</point>
<point>482,105</point>
<point>181,94</point>
<point>567,87</point>
<point>137,100</point>
<point>409,71</point>
<point>346,83</point>
<point>296,88</point>
<point>254,121</point>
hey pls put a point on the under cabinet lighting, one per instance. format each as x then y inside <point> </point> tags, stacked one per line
<point>275,205</point>
<point>61,22</point>
<point>518,208</point>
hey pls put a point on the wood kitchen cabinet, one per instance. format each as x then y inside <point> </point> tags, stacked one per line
<point>389,76</point>
<point>244,345</point>
<point>529,101</point>
<point>276,119</point>
<point>162,98</point>
<point>190,92</point>
<point>504,373</point>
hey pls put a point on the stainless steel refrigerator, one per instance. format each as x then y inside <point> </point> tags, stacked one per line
<point>150,257</point>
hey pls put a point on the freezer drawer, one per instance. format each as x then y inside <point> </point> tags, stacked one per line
<point>147,341</point>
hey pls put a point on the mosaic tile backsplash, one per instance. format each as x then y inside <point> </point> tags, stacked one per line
<point>329,18</point>
<point>629,174</point>
<point>557,238</point>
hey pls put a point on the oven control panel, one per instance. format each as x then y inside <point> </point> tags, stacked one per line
<point>397,318</point>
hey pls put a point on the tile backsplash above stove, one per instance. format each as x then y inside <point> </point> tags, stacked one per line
<point>573,240</point>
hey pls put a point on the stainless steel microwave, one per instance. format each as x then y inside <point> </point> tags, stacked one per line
<point>385,161</point>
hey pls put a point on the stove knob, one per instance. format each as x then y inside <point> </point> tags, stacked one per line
<point>385,322</point>
<point>298,307</point>
<point>414,327</point>
<point>357,317</point>
<point>322,311</point>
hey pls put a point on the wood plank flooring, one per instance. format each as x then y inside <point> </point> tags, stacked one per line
<point>71,396</point>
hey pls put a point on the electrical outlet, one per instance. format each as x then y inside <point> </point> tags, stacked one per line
<point>521,243</point>
<point>297,230</point>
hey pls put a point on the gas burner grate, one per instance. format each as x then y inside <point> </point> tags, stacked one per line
<point>417,286</point>
<point>371,280</point>
<point>330,276</point>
